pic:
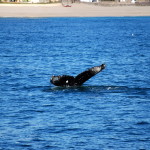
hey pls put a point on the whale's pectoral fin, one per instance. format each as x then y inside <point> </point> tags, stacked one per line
<point>84,76</point>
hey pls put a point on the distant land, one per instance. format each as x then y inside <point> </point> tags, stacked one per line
<point>72,10</point>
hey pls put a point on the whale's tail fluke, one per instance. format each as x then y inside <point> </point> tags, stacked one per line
<point>66,80</point>
<point>86,75</point>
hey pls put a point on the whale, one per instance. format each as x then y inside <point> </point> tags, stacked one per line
<point>70,81</point>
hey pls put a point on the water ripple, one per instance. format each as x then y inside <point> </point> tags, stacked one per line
<point>110,111</point>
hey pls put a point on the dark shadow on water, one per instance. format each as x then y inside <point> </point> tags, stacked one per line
<point>104,89</point>
<point>92,89</point>
<point>99,89</point>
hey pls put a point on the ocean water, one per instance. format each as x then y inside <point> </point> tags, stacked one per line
<point>111,111</point>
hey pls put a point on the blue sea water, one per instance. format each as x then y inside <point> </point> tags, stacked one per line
<point>111,111</point>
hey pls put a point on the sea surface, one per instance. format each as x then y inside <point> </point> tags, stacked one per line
<point>111,111</point>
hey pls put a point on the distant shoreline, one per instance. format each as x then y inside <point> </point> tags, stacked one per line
<point>76,10</point>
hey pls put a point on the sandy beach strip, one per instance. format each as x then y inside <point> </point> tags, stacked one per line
<point>76,10</point>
